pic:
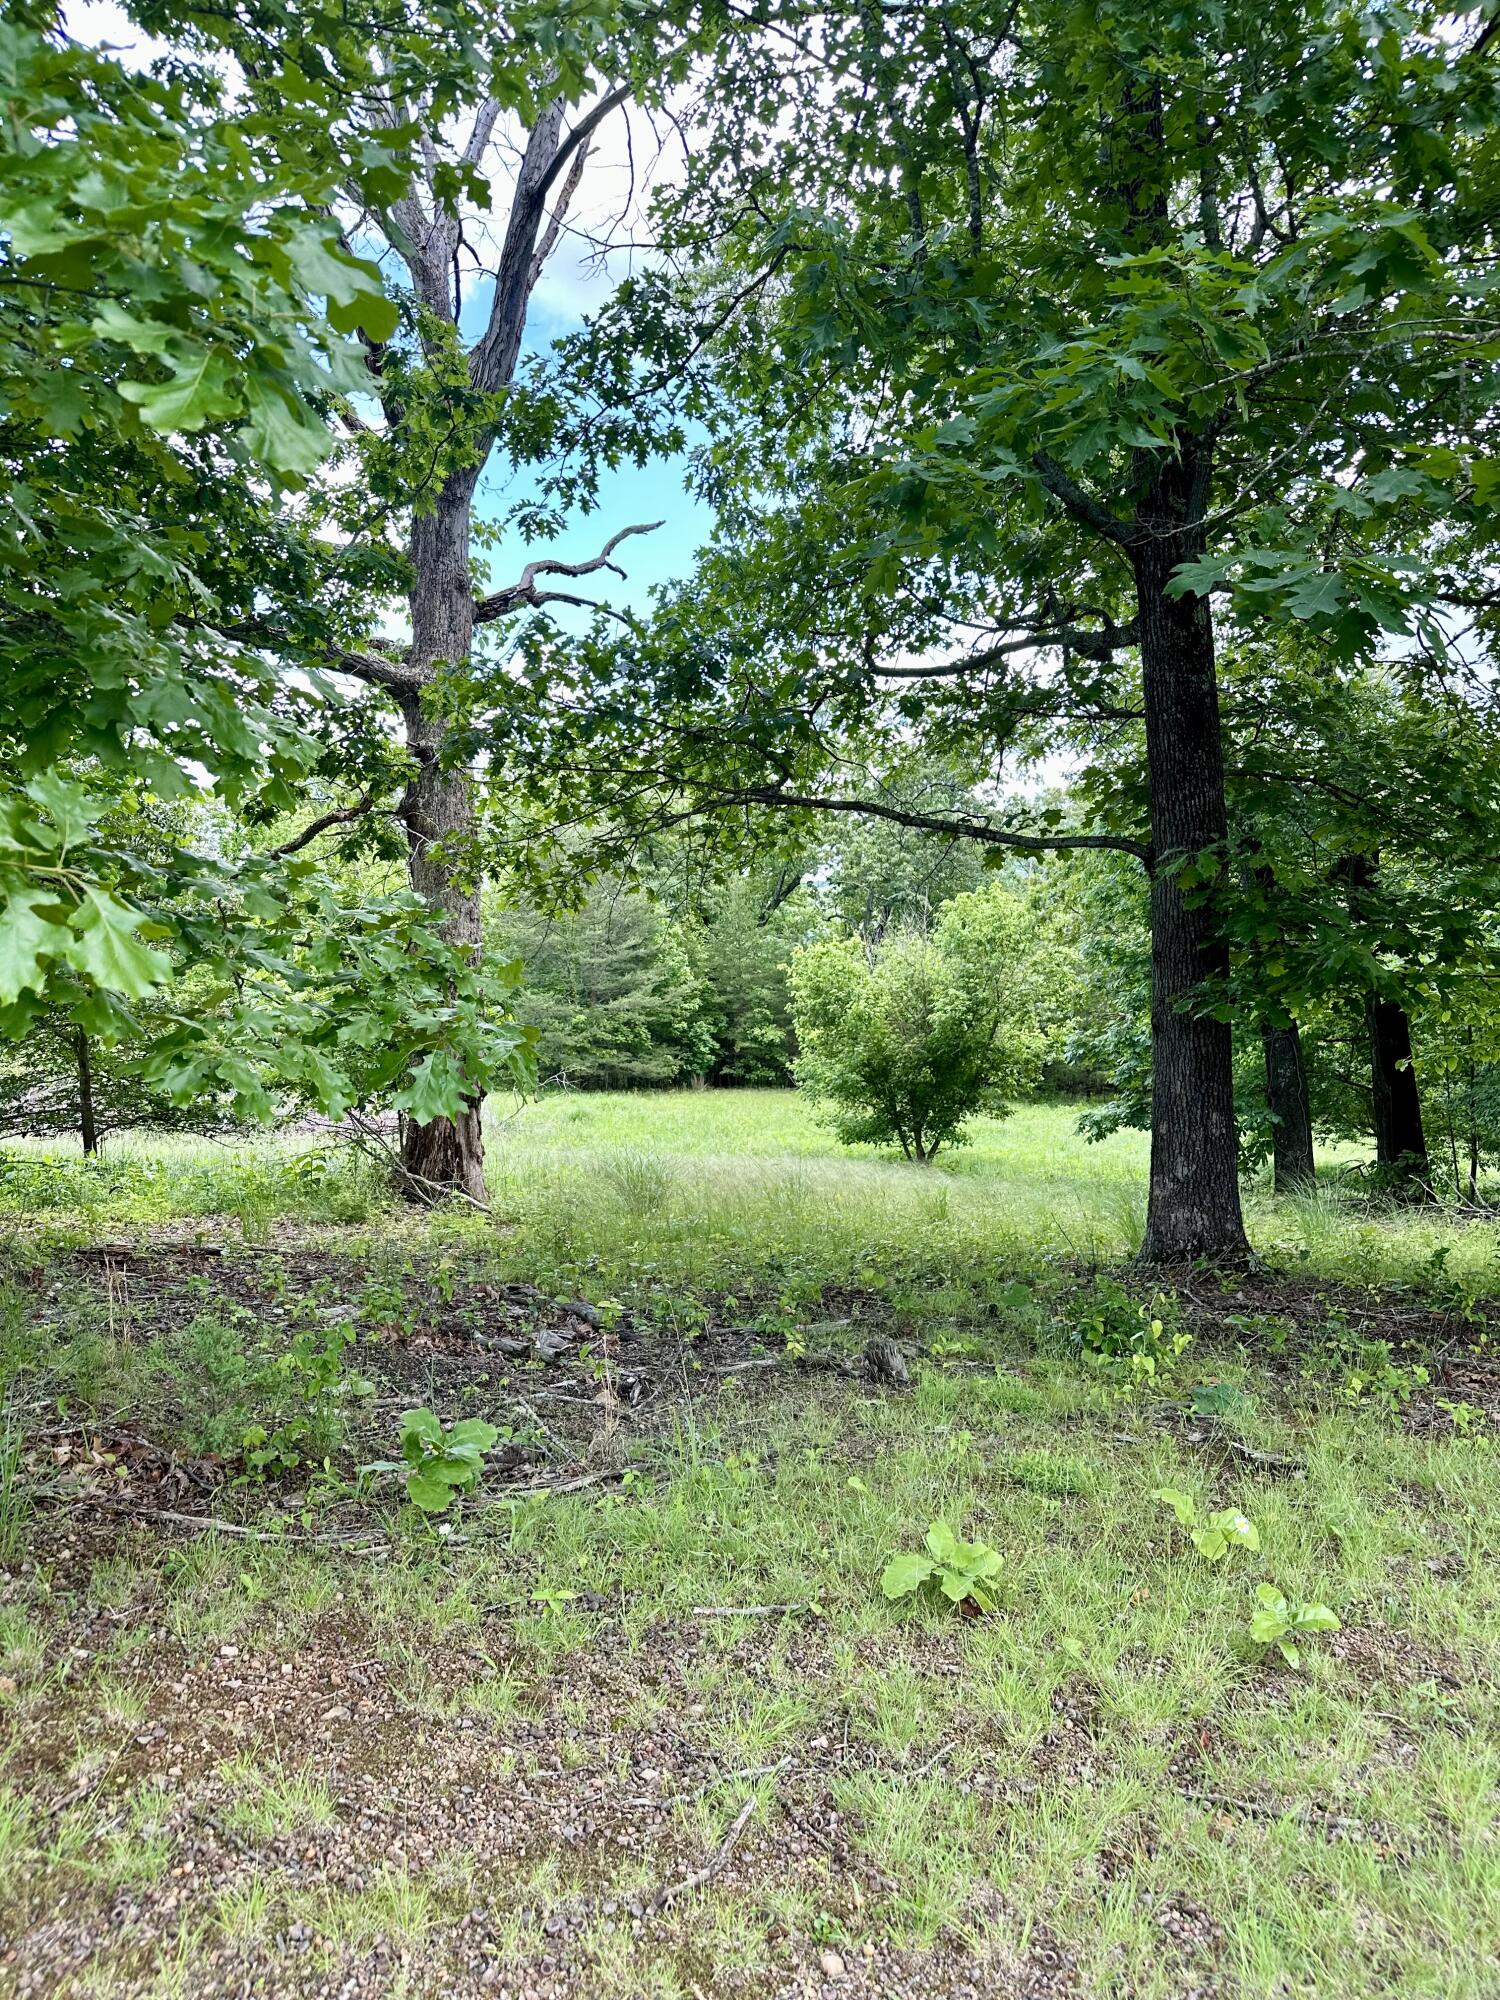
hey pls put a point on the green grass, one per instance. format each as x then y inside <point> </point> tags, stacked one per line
<point>1108,1767</point>
<point>1107,1750</point>
<point>718,1189</point>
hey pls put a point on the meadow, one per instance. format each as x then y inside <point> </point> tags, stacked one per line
<point>636,1715</point>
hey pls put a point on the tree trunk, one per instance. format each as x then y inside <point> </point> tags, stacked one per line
<point>1400,1143</point>
<point>447,1155</point>
<point>1194,1205</point>
<point>88,1131</point>
<point>1287,1102</point>
<point>1473,1127</point>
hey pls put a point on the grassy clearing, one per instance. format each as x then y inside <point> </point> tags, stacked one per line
<point>346,1752</point>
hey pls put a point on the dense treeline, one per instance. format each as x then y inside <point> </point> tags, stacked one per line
<point>673,976</point>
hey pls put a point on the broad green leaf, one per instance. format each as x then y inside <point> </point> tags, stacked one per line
<point>26,939</point>
<point>429,1491</point>
<point>1316,1618</point>
<point>906,1573</point>
<point>199,391</point>
<point>283,433</point>
<point>941,1541</point>
<point>105,944</point>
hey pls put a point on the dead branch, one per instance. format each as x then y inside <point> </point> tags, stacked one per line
<point>500,603</point>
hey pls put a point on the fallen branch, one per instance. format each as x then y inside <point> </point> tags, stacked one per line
<point>724,1778</point>
<point>666,1896</point>
<point>745,1610</point>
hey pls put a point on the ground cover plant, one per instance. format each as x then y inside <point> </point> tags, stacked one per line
<point>640,1710</point>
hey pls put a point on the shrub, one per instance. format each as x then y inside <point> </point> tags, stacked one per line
<point>907,1040</point>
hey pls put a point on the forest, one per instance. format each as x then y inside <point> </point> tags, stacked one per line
<point>749,1045</point>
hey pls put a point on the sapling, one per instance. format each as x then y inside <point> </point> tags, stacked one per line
<point>1279,1618</point>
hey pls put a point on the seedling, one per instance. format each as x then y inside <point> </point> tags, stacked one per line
<point>1222,1531</point>
<point>965,1573</point>
<point>1280,1618</point>
<point>439,1464</point>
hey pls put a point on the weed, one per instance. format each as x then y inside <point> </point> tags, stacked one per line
<point>1279,1620</point>
<point>1219,1533</point>
<point>964,1573</point>
<point>439,1462</point>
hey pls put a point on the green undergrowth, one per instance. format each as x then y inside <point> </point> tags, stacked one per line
<point>1105,1748</point>
<point>729,1191</point>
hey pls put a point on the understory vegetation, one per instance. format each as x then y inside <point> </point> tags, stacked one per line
<point>730,1658</point>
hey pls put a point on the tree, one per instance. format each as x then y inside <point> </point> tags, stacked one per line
<point>740,939</point>
<point>1060,337</point>
<point>611,990</point>
<point>909,1038</point>
<point>441,404</point>
<point>175,322</point>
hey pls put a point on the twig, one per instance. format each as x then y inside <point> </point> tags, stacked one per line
<point>937,1757</point>
<point>713,1784</point>
<point>220,1525</point>
<point>545,1428</point>
<point>744,1610</point>
<point>668,1895</point>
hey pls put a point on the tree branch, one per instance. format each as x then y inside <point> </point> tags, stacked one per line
<point>553,230</point>
<point>493,359</point>
<point>500,603</point>
<point>581,134</point>
<point>310,832</point>
<point>964,829</point>
<point>1083,507</point>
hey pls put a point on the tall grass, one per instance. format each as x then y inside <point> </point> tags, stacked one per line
<point>725,1190</point>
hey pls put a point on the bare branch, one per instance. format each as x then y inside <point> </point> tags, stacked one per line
<point>582,133</point>
<point>483,132</point>
<point>493,360</point>
<point>310,832</point>
<point>378,670</point>
<point>961,827</point>
<point>500,603</point>
<point>555,222</point>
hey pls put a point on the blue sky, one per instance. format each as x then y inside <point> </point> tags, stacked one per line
<point>611,202</point>
<point>653,492</point>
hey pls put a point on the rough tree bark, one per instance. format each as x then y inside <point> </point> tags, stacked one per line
<point>1395,1104</point>
<point>1193,1208</point>
<point>1287,1101</point>
<point>88,1130</point>
<point>447,1154</point>
<point>1400,1142</point>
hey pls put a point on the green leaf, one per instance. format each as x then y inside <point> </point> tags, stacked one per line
<point>26,939</point>
<point>1181,1504</point>
<point>1315,1618</point>
<point>352,288</point>
<point>472,1431</point>
<point>283,433</point>
<point>199,390</point>
<point>67,805</point>
<point>428,1490</point>
<point>105,945</point>
<point>941,1541</point>
<point>905,1574</point>
<point>422,1427</point>
<point>1267,1626</point>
